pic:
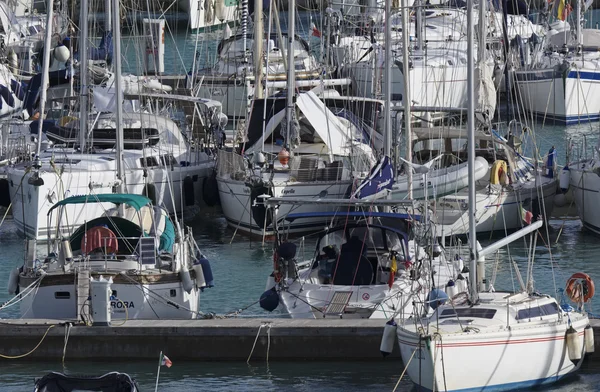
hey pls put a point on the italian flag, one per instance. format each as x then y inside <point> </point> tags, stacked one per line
<point>165,361</point>
<point>527,216</point>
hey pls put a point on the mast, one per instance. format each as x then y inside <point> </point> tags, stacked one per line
<point>406,96</point>
<point>388,80</point>
<point>118,98</point>
<point>45,76</point>
<point>83,74</point>
<point>471,154</point>
<point>258,48</point>
<point>291,74</point>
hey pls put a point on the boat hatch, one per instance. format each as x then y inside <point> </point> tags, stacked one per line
<point>538,311</point>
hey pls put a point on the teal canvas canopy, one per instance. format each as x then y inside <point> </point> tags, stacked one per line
<point>135,201</point>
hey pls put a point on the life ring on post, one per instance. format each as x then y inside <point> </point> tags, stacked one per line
<point>580,287</point>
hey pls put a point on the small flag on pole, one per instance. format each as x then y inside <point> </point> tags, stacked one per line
<point>314,31</point>
<point>166,361</point>
<point>527,216</point>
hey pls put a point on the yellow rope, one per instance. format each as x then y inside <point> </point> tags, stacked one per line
<point>126,314</point>
<point>35,348</point>
<point>404,371</point>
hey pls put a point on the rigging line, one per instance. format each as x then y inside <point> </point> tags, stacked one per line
<point>404,371</point>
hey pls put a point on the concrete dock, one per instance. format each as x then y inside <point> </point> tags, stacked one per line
<point>202,340</point>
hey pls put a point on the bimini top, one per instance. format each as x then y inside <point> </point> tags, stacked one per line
<point>59,382</point>
<point>135,201</point>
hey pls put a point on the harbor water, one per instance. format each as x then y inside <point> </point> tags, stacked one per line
<point>241,266</point>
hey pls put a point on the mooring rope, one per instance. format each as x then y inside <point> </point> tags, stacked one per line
<point>30,352</point>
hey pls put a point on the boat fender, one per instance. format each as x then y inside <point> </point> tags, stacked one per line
<point>188,191</point>
<point>573,345</point>
<point>220,10</point>
<point>436,297</point>
<point>388,339</point>
<point>210,190</point>
<point>200,281</point>
<point>580,287</point>
<point>287,250</point>
<point>499,173</point>
<point>61,53</point>
<point>4,193</point>
<point>588,336</point>
<point>451,289</point>
<point>269,300</point>
<point>186,280</point>
<point>13,281</point>
<point>206,270</point>
<point>564,179</point>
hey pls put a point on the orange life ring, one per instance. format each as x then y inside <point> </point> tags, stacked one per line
<point>580,287</point>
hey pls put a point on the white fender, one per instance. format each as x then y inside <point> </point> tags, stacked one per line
<point>200,281</point>
<point>564,178</point>
<point>186,280</point>
<point>389,338</point>
<point>573,345</point>
<point>588,335</point>
<point>13,281</point>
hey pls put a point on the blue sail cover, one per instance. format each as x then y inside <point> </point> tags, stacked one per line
<point>380,179</point>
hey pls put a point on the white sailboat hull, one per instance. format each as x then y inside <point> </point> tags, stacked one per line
<point>60,301</point>
<point>31,203</point>
<point>487,360</point>
<point>498,211</point>
<point>236,204</point>
<point>570,96</point>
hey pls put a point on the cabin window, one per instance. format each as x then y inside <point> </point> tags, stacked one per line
<point>173,293</point>
<point>538,311</point>
<point>469,312</point>
<point>67,161</point>
<point>372,237</point>
<point>62,295</point>
<point>149,162</point>
<point>168,160</point>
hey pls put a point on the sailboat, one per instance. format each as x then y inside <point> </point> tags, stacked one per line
<point>137,256</point>
<point>157,157</point>
<point>206,15</point>
<point>299,149</point>
<point>153,265</point>
<point>561,84</point>
<point>472,341</point>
